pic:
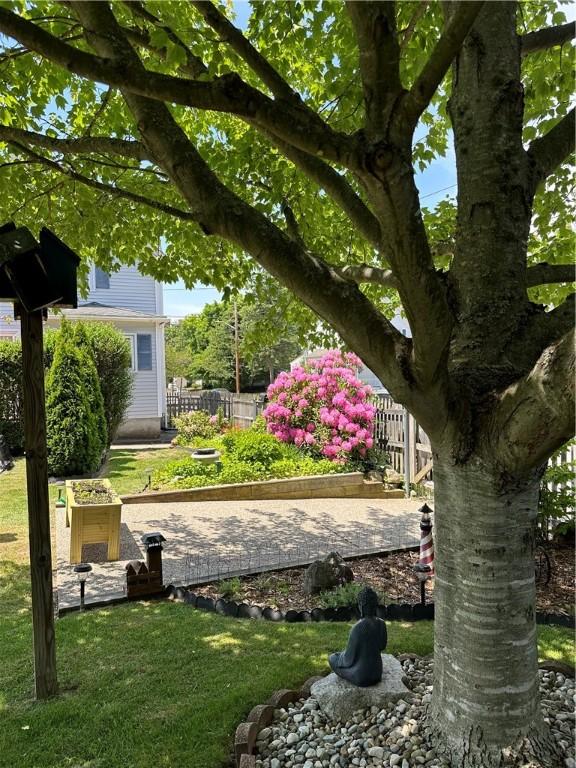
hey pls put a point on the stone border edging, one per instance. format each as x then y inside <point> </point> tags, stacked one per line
<point>262,715</point>
<point>393,611</point>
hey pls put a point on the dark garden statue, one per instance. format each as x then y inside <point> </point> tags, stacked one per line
<point>361,662</point>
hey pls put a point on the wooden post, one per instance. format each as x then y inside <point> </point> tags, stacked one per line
<point>38,505</point>
<point>406,424</point>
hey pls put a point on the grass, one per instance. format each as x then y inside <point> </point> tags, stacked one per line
<point>152,682</point>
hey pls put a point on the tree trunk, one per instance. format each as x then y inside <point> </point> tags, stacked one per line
<point>485,709</point>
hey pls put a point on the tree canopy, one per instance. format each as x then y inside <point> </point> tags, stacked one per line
<point>203,346</point>
<point>160,132</point>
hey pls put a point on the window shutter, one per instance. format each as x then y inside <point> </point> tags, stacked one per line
<point>144,351</point>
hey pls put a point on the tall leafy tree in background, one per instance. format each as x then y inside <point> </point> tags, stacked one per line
<point>291,149</point>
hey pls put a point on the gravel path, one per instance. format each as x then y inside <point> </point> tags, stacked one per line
<point>302,737</point>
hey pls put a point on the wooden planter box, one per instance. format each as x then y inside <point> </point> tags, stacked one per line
<point>93,523</point>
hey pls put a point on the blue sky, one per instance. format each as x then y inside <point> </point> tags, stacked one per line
<point>437,181</point>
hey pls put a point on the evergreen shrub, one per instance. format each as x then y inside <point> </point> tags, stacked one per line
<point>11,393</point>
<point>73,444</point>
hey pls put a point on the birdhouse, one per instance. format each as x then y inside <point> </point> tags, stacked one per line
<point>37,275</point>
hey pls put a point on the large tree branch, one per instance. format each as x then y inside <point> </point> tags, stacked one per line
<point>375,27</point>
<point>541,274</point>
<point>244,48</point>
<point>223,213</point>
<point>337,187</point>
<point>80,146</point>
<point>109,189</point>
<point>293,123</point>
<point>550,150</point>
<point>457,28</point>
<point>547,38</point>
<point>536,415</point>
<point>363,273</point>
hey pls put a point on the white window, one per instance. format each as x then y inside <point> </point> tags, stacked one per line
<point>7,337</point>
<point>140,351</point>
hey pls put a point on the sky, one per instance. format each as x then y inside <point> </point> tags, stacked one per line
<point>434,184</point>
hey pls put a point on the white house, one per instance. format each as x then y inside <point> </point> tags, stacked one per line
<point>134,304</point>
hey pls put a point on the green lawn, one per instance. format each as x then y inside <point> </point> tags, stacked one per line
<point>152,683</point>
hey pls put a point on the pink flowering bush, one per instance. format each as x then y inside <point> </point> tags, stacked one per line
<point>323,407</point>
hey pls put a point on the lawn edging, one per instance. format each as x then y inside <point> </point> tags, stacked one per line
<point>336,486</point>
<point>392,611</point>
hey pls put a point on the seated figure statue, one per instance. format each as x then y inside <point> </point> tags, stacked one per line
<point>361,662</point>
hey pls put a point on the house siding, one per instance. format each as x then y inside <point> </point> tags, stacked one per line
<point>129,289</point>
<point>132,291</point>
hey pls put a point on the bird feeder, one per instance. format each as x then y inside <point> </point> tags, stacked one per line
<point>35,275</point>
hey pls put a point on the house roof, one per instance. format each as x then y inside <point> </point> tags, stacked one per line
<point>95,311</point>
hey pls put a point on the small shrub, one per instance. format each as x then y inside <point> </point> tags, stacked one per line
<point>234,471</point>
<point>345,595</point>
<point>230,588</point>
<point>194,425</point>
<point>183,468</point>
<point>257,447</point>
<point>259,424</point>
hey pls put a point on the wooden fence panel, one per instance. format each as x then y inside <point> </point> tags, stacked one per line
<point>240,410</point>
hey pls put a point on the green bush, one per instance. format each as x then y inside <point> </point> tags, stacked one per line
<point>556,506</point>
<point>112,358</point>
<point>11,393</point>
<point>303,467</point>
<point>257,447</point>
<point>259,424</point>
<point>345,595</point>
<point>230,588</point>
<point>194,425</point>
<point>72,443</point>
<point>235,471</point>
<point>98,426</point>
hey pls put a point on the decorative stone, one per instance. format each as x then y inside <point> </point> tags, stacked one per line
<point>305,689</point>
<point>282,697</point>
<point>338,698</point>
<point>244,740</point>
<point>262,715</point>
<point>326,574</point>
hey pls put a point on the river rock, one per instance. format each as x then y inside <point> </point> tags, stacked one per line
<point>338,698</point>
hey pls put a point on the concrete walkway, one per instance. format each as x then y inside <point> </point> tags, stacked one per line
<point>215,540</point>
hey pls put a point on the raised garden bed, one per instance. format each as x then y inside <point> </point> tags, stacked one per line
<point>339,485</point>
<point>93,512</point>
<point>278,595</point>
